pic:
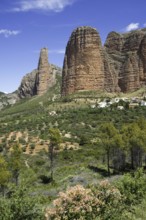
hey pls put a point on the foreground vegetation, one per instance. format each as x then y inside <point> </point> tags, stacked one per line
<point>88,146</point>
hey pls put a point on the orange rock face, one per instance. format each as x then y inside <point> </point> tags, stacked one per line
<point>43,75</point>
<point>39,80</point>
<point>81,70</point>
<point>119,65</point>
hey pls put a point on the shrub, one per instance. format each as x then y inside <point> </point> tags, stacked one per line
<point>32,146</point>
<point>133,187</point>
<point>111,199</point>
<point>20,205</point>
<point>76,203</point>
<point>45,179</point>
<point>101,202</point>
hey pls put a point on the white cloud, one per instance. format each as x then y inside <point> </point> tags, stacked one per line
<point>45,5</point>
<point>62,51</point>
<point>8,33</point>
<point>59,51</point>
<point>132,26</point>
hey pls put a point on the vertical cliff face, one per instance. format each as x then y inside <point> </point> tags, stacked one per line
<point>127,58</point>
<point>120,65</point>
<point>83,63</point>
<point>142,54</point>
<point>27,87</point>
<point>43,76</point>
<point>113,61</point>
<point>40,80</point>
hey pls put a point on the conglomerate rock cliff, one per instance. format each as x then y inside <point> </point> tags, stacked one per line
<point>119,65</point>
<point>39,80</point>
<point>83,64</point>
<point>44,77</point>
<point>127,54</point>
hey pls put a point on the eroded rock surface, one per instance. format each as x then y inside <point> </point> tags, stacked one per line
<point>83,64</point>
<point>44,77</point>
<point>39,80</point>
<point>127,58</point>
<point>27,87</point>
<point>119,65</point>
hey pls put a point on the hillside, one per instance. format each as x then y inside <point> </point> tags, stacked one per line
<point>89,140</point>
<point>81,159</point>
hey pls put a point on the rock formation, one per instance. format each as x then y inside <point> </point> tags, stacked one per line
<point>27,88</point>
<point>39,80</point>
<point>83,64</point>
<point>8,99</point>
<point>126,55</point>
<point>119,65</point>
<point>43,75</point>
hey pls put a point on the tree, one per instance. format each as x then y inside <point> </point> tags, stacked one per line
<point>15,162</point>
<point>134,137</point>
<point>110,138</point>
<point>118,153</point>
<point>4,174</point>
<point>55,140</point>
<point>20,204</point>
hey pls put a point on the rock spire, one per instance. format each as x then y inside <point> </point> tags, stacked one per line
<point>43,75</point>
<point>83,64</point>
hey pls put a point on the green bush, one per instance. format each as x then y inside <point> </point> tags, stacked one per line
<point>20,205</point>
<point>102,202</point>
<point>112,200</point>
<point>133,187</point>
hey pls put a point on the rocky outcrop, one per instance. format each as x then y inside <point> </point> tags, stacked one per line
<point>8,99</point>
<point>83,64</point>
<point>127,59</point>
<point>39,80</point>
<point>119,65</point>
<point>27,88</point>
<point>44,77</point>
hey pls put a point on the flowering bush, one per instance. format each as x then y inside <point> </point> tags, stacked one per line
<point>112,200</point>
<point>79,203</point>
<point>76,203</point>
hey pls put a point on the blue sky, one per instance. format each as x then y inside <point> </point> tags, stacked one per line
<point>26,26</point>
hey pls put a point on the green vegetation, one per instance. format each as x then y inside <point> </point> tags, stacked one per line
<point>15,162</point>
<point>55,140</point>
<point>48,144</point>
<point>4,175</point>
<point>102,201</point>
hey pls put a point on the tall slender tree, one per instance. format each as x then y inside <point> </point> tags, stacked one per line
<point>110,139</point>
<point>55,140</point>
<point>15,162</point>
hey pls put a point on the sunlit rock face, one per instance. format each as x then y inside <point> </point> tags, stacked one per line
<point>119,65</point>
<point>43,75</point>
<point>83,63</point>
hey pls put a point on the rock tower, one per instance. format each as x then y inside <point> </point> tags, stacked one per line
<point>119,65</point>
<point>43,75</point>
<point>39,80</point>
<point>83,64</point>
